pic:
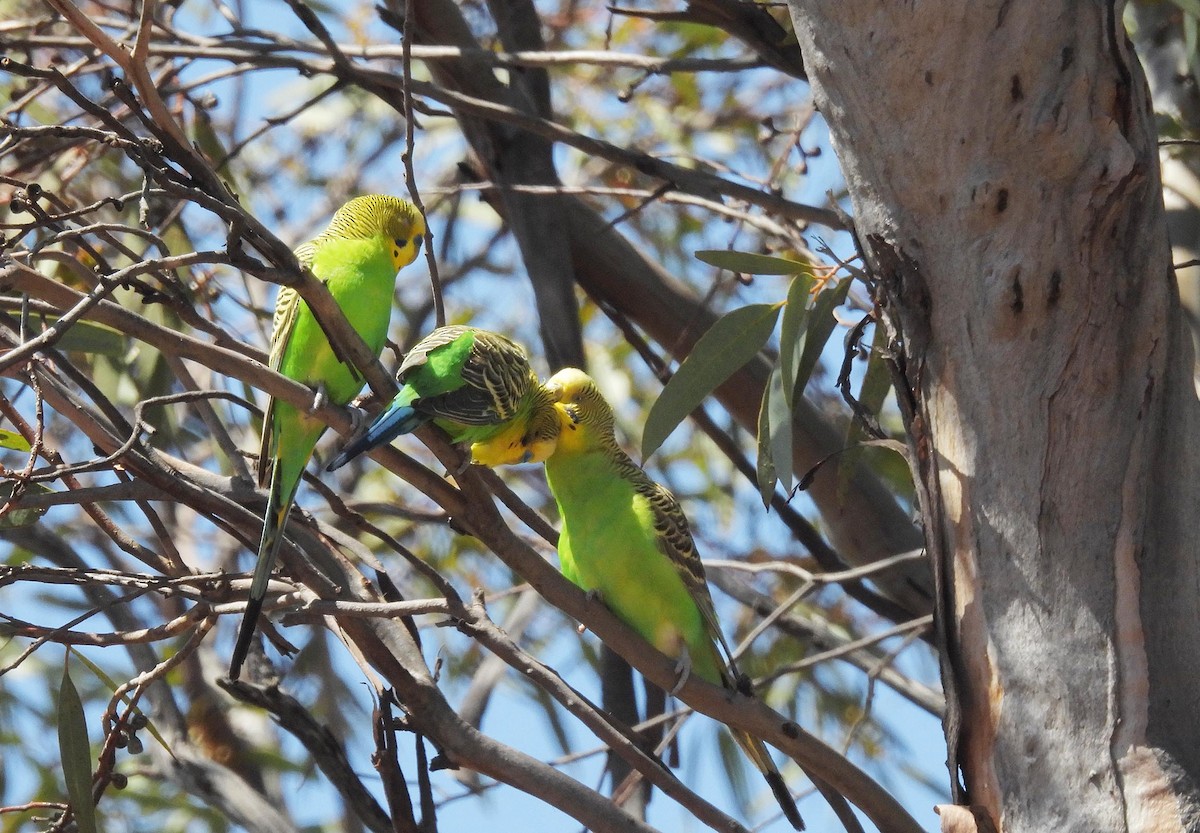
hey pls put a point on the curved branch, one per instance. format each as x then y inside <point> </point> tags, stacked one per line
<point>885,812</point>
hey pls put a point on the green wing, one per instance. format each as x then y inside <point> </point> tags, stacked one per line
<point>674,540</point>
<point>469,376</point>
<point>287,304</point>
<point>368,241</point>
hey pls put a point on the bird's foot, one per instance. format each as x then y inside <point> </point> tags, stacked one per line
<point>464,465</point>
<point>358,418</point>
<point>319,399</point>
<point>589,597</point>
<point>683,671</point>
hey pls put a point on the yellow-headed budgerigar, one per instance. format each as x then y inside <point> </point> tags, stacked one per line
<point>368,241</point>
<point>475,385</point>
<point>626,538</point>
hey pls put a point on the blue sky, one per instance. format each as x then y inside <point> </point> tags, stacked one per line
<point>509,719</point>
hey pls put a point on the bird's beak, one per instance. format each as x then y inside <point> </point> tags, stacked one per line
<point>554,390</point>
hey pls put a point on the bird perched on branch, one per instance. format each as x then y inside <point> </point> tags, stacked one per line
<point>368,241</point>
<point>475,385</point>
<point>626,538</point>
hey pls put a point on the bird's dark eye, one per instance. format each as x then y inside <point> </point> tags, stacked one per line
<point>401,242</point>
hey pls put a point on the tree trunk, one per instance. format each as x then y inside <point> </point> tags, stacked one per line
<point>1001,159</point>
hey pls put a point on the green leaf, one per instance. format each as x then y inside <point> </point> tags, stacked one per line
<point>749,263</point>
<point>877,381</point>
<point>774,439</point>
<point>795,319</point>
<point>765,467</point>
<point>781,431</point>
<point>84,337</point>
<point>733,340</point>
<point>20,517</point>
<point>820,325</point>
<point>76,753</point>
<point>13,440</point>
<point>875,386</point>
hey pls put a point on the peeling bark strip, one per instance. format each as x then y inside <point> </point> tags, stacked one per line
<point>1002,163</point>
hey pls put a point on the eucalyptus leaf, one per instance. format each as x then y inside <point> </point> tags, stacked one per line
<point>820,326</point>
<point>795,319</point>
<point>774,439</point>
<point>765,465</point>
<point>748,263</point>
<point>85,337</point>
<point>13,440</point>
<point>781,430</point>
<point>19,517</point>
<point>733,340</point>
<point>76,753</point>
<point>875,386</point>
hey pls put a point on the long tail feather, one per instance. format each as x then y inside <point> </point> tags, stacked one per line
<point>399,418</point>
<point>757,752</point>
<point>279,506</point>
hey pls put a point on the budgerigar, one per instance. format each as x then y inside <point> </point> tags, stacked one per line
<point>368,241</point>
<point>626,538</point>
<point>478,387</point>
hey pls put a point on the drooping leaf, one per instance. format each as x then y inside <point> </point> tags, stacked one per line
<point>877,381</point>
<point>76,753</point>
<point>795,319</point>
<point>765,467</point>
<point>820,325</point>
<point>874,390</point>
<point>85,337</point>
<point>781,431</point>
<point>13,440</point>
<point>733,340</point>
<point>774,439</point>
<point>749,263</point>
<point>15,518</point>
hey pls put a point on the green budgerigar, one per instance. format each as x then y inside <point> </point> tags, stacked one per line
<point>368,241</point>
<point>626,538</point>
<point>475,385</point>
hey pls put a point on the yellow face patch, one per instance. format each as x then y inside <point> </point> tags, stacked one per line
<point>406,249</point>
<point>514,445</point>
<point>572,436</point>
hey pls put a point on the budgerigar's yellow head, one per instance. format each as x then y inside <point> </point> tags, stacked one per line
<point>379,214</point>
<point>585,417</point>
<point>525,441</point>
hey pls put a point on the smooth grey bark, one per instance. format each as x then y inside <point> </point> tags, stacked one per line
<point>1002,163</point>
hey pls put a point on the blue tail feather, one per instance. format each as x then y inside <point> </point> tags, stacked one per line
<point>398,418</point>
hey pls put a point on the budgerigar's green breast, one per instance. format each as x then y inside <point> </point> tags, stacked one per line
<point>361,277</point>
<point>607,544</point>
